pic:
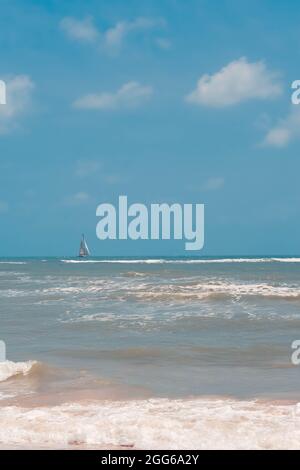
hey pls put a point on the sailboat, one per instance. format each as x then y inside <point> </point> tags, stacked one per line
<point>84,249</point>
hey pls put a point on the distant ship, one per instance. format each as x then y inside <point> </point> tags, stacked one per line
<point>84,249</point>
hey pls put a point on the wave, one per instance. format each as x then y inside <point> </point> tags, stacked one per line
<point>226,260</point>
<point>196,291</point>
<point>286,260</point>
<point>119,261</point>
<point>175,292</point>
<point>183,261</point>
<point>137,288</point>
<point>77,261</point>
<point>13,262</point>
<point>154,424</point>
<point>10,369</point>
<point>217,290</point>
<point>169,261</point>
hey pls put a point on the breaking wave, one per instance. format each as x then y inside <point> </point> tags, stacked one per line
<point>197,291</point>
<point>184,261</point>
<point>137,287</point>
<point>13,262</point>
<point>10,369</point>
<point>202,291</point>
<point>154,424</point>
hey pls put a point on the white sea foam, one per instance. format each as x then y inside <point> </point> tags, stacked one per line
<point>205,290</point>
<point>155,424</point>
<point>287,260</point>
<point>13,262</point>
<point>225,260</point>
<point>144,289</point>
<point>118,261</point>
<point>169,261</point>
<point>77,261</point>
<point>5,395</point>
<point>195,290</point>
<point>185,261</point>
<point>9,369</point>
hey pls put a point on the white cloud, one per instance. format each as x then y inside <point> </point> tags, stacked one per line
<point>18,98</point>
<point>238,81</point>
<point>114,37</point>
<point>285,131</point>
<point>77,199</point>
<point>214,183</point>
<point>80,30</point>
<point>130,95</point>
<point>3,207</point>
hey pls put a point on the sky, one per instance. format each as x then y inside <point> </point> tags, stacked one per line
<point>162,101</point>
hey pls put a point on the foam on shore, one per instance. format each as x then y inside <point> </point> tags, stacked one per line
<point>154,424</point>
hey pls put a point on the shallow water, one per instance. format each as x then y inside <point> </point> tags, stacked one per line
<point>140,329</point>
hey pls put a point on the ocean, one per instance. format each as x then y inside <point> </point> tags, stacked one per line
<point>149,353</point>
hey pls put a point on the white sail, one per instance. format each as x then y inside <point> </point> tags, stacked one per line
<point>84,249</point>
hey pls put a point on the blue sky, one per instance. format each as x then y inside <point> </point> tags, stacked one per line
<point>103,101</point>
